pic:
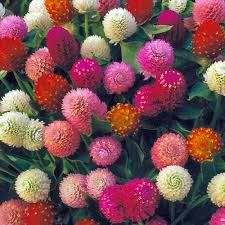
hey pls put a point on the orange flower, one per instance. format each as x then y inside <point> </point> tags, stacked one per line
<point>86,222</point>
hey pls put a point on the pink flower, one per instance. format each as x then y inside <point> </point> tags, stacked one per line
<point>157,221</point>
<point>107,5</point>
<point>218,217</point>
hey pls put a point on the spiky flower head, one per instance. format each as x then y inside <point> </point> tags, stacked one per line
<point>105,151</point>
<point>204,10</point>
<point>61,139</point>
<point>86,222</point>
<point>209,39</point>
<point>203,144</point>
<point>73,190</point>
<point>12,128</point>
<point>40,213</point>
<point>119,24</point>
<point>84,6</point>
<point>118,78</point>
<point>37,6</point>
<point>86,73</point>
<point>178,5</point>
<point>155,57</point>
<point>169,149</point>
<point>95,47</point>
<point>12,212</point>
<point>157,221</point>
<point>218,217</point>
<point>2,10</point>
<point>124,119</point>
<point>107,5</point>
<point>33,185</point>
<point>50,90</point>
<point>39,63</point>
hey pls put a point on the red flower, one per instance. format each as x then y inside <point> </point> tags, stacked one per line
<point>86,222</point>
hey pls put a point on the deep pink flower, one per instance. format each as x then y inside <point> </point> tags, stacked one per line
<point>218,218</point>
<point>107,5</point>
<point>157,221</point>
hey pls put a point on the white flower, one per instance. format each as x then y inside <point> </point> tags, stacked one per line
<point>84,6</point>
<point>2,10</point>
<point>178,5</point>
<point>37,6</point>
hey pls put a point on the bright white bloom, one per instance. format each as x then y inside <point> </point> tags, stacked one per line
<point>84,6</point>
<point>119,24</point>
<point>178,5</point>
<point>37,6</point>
<point>174,183</point>
<point>33,186</point>
<point>2,10</point>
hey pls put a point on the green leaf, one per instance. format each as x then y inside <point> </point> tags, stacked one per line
<point>152,30</point>
<point>189,8</point>
<point>189,112</point>
<point>100,126</point>
<point>3,74</point>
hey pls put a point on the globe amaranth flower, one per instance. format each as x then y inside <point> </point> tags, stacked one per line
<point>84,6</point>
<point>119,24</point>
<point>73,190</point>
<point>86,222</point>
<point>204,10</point>
<point>61,139</point>
<point>178,6</point>
<point>50,90</point>
<point>13,26</point>
<point>39,63</point>
<point>209,39</point>
<point>142,10</point>
<point>98,180</point>
<point>63,48</point>
<point>157,221</point>
<point>169,149</point>
<point>105,151</point>
<point>174,183</point>
<point>118,78</point>
<point>107,5</point>
<point>95,47</point>
<point>218,217</point>
<point>33,185</point>
<point>12,212</point>
<point>40,213</point>
<point>2,10</point>
<point>86,73</point>
<point>124,119</point>
<point>12,53</point>
<point>155,57</point>
<point>203,144</point>
<point>12,128</point>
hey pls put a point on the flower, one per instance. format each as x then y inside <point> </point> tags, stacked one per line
<point>98,180</point>
<point>2,11</point>
<point>84,6</point>
<point>40,213</point>
<point>61,139</point>
<point>39,63</point>
<point>86,222</point>
<point>105,151</point>
<point>60,11</point>
<point>12,54</point>
<point>119,24</point>
<point>203,144</point>
<point>12,128</point>
<point>11,212</point>
<point>155,57</point>
<point>50,90</point>
<point>95,47</point>
<point>63,48</point>
<point>178,6</point>
<point>142,10</point>
<point>73,190</point>
<point>218,217</point>
<point>215,190</point>
<point>209,39</point>
<point>204,10</point>
<point>107,5</point>
<point>13,26</point>
<point>174,183</point>
<point>33,185</point>
<point>118,78</point>
<point>124,119</point>
<point>157,221</point>
<point>86,73</point>
<point>37,6</point>
<point>169,149</point>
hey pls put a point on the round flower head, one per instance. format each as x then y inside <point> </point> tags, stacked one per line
<point>2,10</point>
<point>204,10</point>
<point>218,217</point>
<point>124,119</point>
<point>118,78</point>
<point>174,183</point>
<point>95,47</point>
<point>33,185</point>
<point>169,149</point>
<point>178,6</point>
<point>215,190</point>
<point>11,212</point>
<point>107,5</point>
<point>13,26</point>
<point>86,222</point>
<point>37,6</point>
<point>73,190</point>
<point>12,128</point>
<point>61,139</point>
<point>12,54</point>
<point>203,144</point>
<point>40,213</point>
<point>157,221</point>
<point>39,63</point>
<point>86,73</point>
<point>142,10</point>
<point>105,151</point>
<point>84,6</point>
<point>155,57</point>
<point>209,39</point>
<point>63,48</point>
<point>119,24</point>
<point>50,90</point>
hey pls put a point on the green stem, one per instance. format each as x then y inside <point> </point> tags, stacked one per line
<point>3,178</point>
<point>7,160</point>
<point>51,158</point>
<point>7,172</point>
<point>39,158</point>
<point>217,110</point>
<point>86,25</point>
<point>6,83</point>
<point>19,82</point>
<point>172,211</point>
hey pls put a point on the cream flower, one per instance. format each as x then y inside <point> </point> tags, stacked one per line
<point>84,6</point>
<point>178,5</point>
